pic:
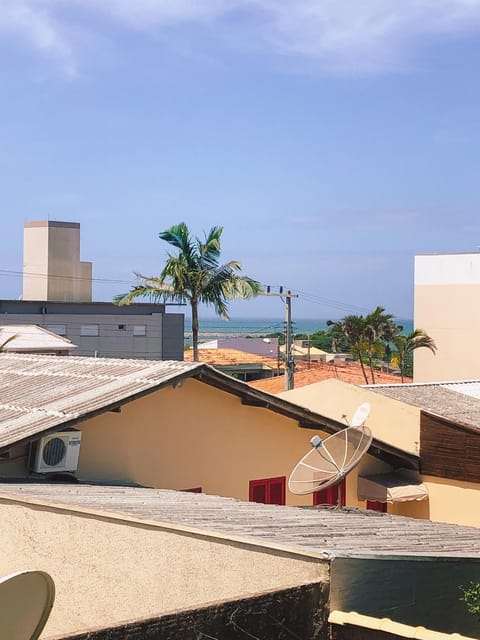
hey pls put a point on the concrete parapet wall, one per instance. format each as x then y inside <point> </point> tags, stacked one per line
<point>111,569</point>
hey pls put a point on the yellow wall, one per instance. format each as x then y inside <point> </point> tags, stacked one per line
<point>109,570</point>
<point>453,501</point>
<point>391,421</point>
<point>195,436</point>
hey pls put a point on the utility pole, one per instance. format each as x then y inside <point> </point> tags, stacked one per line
<point>289,361</point>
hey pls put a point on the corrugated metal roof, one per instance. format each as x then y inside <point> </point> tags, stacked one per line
<point>38,393</point>
<point>31,338</point>
<point>333,531</point>
<point>442,399</point>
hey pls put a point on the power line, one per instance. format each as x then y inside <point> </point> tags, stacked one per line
<point>342,306</point>
<point>304,295</point>
<point>20,274</point>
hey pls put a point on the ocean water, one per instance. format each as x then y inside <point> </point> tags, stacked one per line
<point>211,328</point>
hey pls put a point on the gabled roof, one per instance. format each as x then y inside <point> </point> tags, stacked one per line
<point>455,401</point>
<point>39,392</point>
<point>333,532</point>
<point>45,393</point>
<point>30,338</point>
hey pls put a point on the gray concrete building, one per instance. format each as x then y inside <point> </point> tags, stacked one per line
<point>57,296</point>
<point>103,329</point>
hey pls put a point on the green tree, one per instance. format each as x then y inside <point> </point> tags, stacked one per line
<point>471,597</point>
<point>353,328</point>
<point>406,345</point>
<point>380,329</point>
<point>325,339</point>
<point>194,274</point>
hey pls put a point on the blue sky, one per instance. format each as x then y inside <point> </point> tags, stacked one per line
<point>332,140</point>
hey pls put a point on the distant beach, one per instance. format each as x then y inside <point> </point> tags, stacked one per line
<point>212,328</point>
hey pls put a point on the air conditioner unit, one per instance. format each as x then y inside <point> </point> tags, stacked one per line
<point>58,452</point>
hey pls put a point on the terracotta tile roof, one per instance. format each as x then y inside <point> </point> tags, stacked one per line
<point>229,357</point>
<point>346,371</point>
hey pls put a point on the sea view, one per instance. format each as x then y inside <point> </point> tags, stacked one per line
<point>211,328</point>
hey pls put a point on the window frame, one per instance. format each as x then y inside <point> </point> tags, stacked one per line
<point>83,327</point>
<point>267,483</point>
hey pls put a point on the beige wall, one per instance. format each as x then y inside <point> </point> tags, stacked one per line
<point>196,436</point>
<point>35,263</point>
<point>107,571</point>
<point>447,307</point>
<point>453,501</point>
<point>450,314</point>
<point>52,267</point>
<point>391,421</point>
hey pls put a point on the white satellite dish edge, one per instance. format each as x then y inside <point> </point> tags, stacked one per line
<point>361,414</point>
<point>26,599</point>
<point>332,459</point>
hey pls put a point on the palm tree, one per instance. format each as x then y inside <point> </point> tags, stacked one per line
<point>380,329</point>
<point>194,275</point>
<point>353,328</point>
<point>406,345</point>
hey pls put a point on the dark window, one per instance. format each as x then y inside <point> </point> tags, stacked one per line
<point>268,490</point>
<point>122,327</point>
<point>373,505</point>
<point>330,496</point>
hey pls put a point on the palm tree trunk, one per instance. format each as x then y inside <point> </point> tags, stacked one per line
<point>363,371</point>
<point>361,362</point>
<point>370,362</point>
<point>194,305</point>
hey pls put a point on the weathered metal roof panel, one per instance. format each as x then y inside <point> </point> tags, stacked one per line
<point>351,532</point>
<point>38,393</point>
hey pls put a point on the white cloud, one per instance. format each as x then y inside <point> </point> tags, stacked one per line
<point>337,35</point>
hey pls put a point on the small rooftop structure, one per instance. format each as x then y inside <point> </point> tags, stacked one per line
<point>242,364</point>
<point>30,338</point>
<point>267,347</point>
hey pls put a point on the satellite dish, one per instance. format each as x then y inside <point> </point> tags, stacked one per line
<point>26,599</point>
<point>361,414</point>
<point>331,459</point>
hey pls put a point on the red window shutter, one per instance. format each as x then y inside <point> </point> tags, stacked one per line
<point>268,490</point>
<point>258,491</point>
<point>329,496</point>
<point>276,491</point>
